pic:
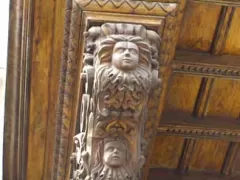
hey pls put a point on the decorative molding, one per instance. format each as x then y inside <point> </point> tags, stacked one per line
<point>206,69</point>
<point>129,6</point>
<point>200,132</point>
<point>65,125</point>
<point>17,90</point>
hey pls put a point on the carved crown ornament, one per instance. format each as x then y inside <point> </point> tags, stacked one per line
<point>120,69</point>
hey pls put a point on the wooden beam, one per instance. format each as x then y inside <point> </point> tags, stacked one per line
<point>221,2</point>
<point>204,94</point>
<point>204,64</point>
<point>189,146</point>
<point>160,173</point>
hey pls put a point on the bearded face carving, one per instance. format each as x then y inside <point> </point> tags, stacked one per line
<point>124,76</point>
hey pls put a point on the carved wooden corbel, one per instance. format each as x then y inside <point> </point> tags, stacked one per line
<point>110,88</point>
<point>120,69</point>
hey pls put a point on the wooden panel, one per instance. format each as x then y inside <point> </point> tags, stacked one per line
<point>182,93</point>
<point>225,98</point>
<point>232,45</point>
<point>55,61</point>
<point>199,26</point>
<point>167,151</point>
<point>39,90</point>
<point>209,155</point>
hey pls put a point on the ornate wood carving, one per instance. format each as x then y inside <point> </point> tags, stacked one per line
<point>128,116</point>
<point>17,88</point>
<point>206,70</point>
<point>200,132</point>
<point>120,69</point>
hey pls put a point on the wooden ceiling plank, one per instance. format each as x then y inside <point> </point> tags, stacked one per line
<point>222,29</point>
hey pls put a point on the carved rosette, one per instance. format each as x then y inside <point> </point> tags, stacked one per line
<point>120,69</point>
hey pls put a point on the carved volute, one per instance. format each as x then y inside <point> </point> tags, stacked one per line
<point>120,69</point>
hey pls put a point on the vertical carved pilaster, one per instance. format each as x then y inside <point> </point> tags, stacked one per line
<point>120,69</point>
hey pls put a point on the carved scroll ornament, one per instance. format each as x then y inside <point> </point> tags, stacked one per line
<point>120,69</point>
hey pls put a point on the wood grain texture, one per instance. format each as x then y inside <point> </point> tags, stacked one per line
<point>224,101</point>
<point>209,155</point>
<point>232,45</point>
<point>167,152</point>
<point>54,75</point>
<point>39,89</point>
<point>176,99</point>
<point>17,91</point>
<point>199,26</point>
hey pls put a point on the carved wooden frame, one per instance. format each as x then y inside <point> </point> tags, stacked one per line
<point>17,90</point>
<point>77,20</point>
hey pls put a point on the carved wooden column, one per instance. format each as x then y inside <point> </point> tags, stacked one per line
<point>120,69</point>
<point>110,86</point>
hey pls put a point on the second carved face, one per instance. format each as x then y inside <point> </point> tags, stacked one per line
<point>114,154</point>
<point>125,55</point>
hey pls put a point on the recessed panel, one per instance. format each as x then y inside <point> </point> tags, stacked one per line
<point>167,151</point>
<point>182,93</point>
<point>209,155</point>
<point>198,26</point>
<point>224,100</point>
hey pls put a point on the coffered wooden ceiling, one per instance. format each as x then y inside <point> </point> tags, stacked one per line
<point>198,130</point>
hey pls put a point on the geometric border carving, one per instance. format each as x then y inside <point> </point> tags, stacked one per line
<point>200,132</point>
<point>206,70</point>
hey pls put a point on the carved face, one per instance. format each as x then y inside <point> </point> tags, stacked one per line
<point>114,154</point>
<point>125,55</point>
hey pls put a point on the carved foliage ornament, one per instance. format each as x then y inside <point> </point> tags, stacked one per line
<point>120,69</point>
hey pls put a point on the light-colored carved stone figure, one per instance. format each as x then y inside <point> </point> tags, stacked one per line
<point>120,69</point>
